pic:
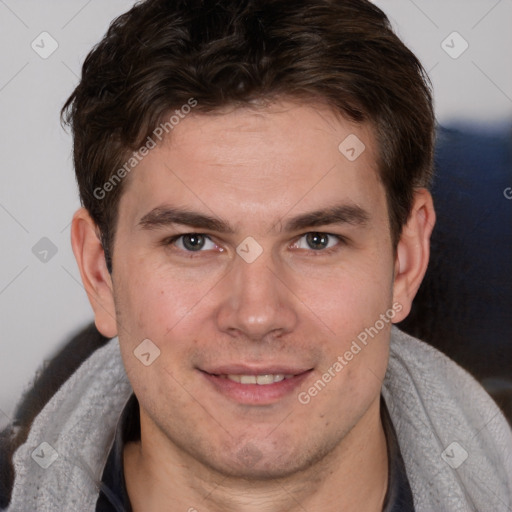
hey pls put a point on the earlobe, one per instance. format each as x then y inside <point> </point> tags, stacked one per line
<point>96,279</point>
<point>413,251</point>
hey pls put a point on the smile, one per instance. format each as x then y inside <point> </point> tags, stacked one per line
<point>256,387</point>
<point>262,380</point>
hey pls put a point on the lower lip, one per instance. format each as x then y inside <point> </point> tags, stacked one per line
<point>256,394</point>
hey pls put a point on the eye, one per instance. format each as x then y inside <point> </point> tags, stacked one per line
<point>192,242</point>
<point>317,241</point>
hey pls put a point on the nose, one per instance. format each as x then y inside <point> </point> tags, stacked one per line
<point>256,302</point>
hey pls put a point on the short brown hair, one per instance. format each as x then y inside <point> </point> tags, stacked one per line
<point>161,53</point>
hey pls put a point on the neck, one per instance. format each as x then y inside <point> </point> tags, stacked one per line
<point>352,477</point>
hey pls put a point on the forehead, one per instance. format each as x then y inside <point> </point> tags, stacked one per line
<point>258,162</point>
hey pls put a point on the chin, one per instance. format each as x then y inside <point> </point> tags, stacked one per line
<point>265,461</point>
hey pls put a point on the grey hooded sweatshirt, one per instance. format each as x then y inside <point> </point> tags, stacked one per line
<point>456,444</point>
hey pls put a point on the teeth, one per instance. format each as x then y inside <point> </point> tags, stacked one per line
<point>262,380</point>
<point>268,379</point>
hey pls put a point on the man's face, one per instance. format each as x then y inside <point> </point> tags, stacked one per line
<point>293,309</point>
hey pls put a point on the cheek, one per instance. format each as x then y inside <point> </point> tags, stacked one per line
<point>356,305</point>
<point>167,308</point>
<point>350,299</point>
<point>154,299</point>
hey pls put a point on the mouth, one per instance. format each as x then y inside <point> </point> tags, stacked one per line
<point>255,386</point>
<point>261,380</point>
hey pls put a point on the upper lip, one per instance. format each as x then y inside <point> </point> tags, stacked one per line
<point>240,369</point>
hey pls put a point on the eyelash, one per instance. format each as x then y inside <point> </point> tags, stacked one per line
<point>315,253</point>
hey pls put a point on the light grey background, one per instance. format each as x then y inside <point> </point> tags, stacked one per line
<point>43,303</point>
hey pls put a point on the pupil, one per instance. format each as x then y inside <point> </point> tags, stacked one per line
<point>317,240</point>
<point>193,242</point>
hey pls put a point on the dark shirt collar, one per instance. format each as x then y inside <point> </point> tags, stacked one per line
<point>113,496</point>
<point>399,494</point>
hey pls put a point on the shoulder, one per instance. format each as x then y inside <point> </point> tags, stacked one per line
<point>57,371</point>
<point>444,421</point>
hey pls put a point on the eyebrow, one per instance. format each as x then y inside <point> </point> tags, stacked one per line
<point>163,216</point>
<point>339,214</point>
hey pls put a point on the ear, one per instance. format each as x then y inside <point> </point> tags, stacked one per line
<point>413,251</point>
<point>96,279</point>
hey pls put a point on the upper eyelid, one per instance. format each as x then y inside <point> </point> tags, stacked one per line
<point>178,235</point>
<point>341,239</point>
<point>174,238</point>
